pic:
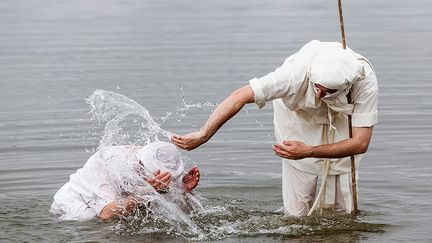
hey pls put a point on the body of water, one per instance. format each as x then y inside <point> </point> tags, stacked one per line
<point>167,55</point>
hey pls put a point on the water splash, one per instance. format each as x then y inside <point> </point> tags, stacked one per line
<point>185,105</point>
<point>129,126</point>
<point>121,115</point>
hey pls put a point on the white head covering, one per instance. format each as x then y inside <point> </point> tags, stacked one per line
<point>336,68</point>
<point>161,156</point>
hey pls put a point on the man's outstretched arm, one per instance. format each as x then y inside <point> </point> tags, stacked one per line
<point>223,112</point>
<point>358,144</point>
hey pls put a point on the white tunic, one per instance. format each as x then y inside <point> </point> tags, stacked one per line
<point>88,191</point>
<point>299,116</point>
<point>108,173</point>
<point>296,119</point>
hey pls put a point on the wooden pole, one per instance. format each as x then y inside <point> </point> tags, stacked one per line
<point>342,24</point>
<point>353,169</point>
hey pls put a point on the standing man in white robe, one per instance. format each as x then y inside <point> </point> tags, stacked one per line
<point>309,93</point>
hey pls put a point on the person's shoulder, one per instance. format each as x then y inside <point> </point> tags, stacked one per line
<point>114,149</point>
<point>316,45</point>
<point>311,45</point>
<point>368,85</point>
<point>302,58</point>
<point>105,153</point>
<point>312,48</point>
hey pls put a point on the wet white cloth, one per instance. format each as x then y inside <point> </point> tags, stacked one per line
<point>162,156</point>
<point>298,115</point>
<point>300,190</point>
<point>101,180</point>
<point>86,193</point>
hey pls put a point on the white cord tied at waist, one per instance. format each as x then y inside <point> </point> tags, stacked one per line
<point>329,184</point>
<point>321,194</point>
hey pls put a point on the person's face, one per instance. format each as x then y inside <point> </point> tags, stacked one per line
<point>321,91</point>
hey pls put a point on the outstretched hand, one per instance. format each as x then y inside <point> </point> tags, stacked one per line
<point>189,141</point>
<point>292,150</point>
<point>191,179</point>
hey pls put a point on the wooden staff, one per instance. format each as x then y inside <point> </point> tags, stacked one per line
<point>353,169</point>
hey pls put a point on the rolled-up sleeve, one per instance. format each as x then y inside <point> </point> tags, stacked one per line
<point>365,97</point>
<point>272,86</point>
<point>100,205</point>
<point>103,193</point>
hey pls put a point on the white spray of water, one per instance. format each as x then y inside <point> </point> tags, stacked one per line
<point>128,128</point>
<point>113,109</point>
<point>184,107</point>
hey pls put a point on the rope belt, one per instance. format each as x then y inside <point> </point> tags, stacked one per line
<point>327,191</point>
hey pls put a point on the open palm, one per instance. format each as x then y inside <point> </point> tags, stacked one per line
<point>191,179</point>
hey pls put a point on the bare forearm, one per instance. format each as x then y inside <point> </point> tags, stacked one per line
<point>358,144</point>
<point>340,149</point>
<point>227,109</point>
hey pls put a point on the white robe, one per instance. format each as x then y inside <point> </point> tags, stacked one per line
<point>86,193</point>
<point>103,177</point>
<point>297,118</point>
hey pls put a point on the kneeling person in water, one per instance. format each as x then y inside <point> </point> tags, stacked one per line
<point>113,180</point>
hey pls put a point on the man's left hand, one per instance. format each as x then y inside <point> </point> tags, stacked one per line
<point>292,150</point>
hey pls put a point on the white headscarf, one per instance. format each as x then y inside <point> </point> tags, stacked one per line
<point>161,156</point>
<point>336,68</point>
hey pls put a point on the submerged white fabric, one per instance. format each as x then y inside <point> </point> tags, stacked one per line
<point>298,115</point>
<point>93,186</point>
<point>86,193</point>
<point>300,188</point>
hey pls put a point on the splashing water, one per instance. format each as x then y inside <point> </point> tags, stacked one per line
<point>115,109</point>
<point>128,127</point>
<point>184,107</point>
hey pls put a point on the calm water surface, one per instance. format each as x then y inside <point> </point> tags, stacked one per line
<point>160,53</point>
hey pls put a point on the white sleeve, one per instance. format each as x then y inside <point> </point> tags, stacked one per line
<point>272,86</point>
<point>99,205</point>
<point>365,100</point>
<point>286,81</point>
<point>102,191</point>
<point>104,195</point>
